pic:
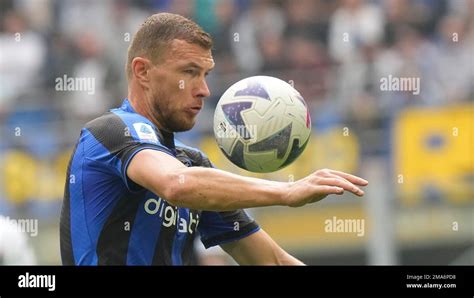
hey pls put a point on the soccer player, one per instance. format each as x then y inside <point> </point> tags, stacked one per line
<point>136,196</point>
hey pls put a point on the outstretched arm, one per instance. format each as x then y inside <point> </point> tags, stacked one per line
<point>216,190</point>
<point>259,249</point>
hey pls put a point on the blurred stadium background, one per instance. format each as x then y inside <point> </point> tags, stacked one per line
<point>416,150</point>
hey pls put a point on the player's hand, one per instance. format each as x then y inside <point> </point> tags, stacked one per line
<point>320,184</point>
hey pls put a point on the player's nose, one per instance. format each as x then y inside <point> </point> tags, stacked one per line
<point>202,89</point>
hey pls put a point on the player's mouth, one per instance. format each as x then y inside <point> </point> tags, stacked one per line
<point>195,109</point>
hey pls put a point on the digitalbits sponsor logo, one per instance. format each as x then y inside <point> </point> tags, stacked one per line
<point>170,215</point>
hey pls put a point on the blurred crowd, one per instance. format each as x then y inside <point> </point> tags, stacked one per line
<point>335,52</point>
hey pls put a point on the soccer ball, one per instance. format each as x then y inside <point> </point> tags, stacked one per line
<point>262,124</point>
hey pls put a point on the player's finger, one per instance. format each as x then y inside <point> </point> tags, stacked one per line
<point>351,178</point>
<point>329,175</point>
<point>342,183</point>
<point>336,177</point>
<point>325,190</point>
<point>330,190</point>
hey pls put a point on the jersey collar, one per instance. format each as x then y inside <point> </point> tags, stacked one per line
<point>127,106</point>
<point>166,138</point>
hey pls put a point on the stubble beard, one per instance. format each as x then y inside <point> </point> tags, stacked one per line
<point>169,120</point>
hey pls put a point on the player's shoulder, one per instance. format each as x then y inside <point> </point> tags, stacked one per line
<point>123,125</point>
<point>107,121</point>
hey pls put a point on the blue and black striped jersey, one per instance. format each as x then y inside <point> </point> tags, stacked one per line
<point>107,219</point>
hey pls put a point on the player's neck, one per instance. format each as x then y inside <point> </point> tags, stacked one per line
<point>140,106</point>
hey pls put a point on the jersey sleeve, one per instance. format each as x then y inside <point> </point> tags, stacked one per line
<point>122,137</point>
<point>218,227</point>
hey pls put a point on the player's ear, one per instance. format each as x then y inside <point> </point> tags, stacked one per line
<point>141,69</point>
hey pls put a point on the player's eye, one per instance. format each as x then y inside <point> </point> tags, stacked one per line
<point>190,71</point>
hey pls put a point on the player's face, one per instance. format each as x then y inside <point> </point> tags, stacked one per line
<point>178,85</point>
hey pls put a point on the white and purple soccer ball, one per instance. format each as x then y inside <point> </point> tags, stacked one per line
<point>262,124</point>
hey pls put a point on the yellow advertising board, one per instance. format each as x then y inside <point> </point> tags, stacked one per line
<point>433,151</point>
